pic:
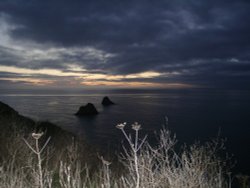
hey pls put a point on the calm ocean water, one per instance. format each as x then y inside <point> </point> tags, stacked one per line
<point>193,115</point>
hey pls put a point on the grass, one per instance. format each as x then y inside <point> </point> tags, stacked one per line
<point>35,164</point>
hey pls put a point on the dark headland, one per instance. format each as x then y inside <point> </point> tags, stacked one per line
<point>14,126</point>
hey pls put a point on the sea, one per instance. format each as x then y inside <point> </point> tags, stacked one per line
<point>191,114</point>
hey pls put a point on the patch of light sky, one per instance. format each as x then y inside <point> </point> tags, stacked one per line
<point>31,52</point>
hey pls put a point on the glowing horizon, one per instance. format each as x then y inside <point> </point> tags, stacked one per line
<point>83,78</point>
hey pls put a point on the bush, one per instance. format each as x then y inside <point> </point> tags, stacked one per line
<point>145,166</point>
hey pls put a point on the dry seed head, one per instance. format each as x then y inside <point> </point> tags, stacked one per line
<point>121,125</point>
<point>37,136</point>
<point>136,126</point>
<point>105,162</point>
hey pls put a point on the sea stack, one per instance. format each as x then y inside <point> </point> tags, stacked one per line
<point>88,110</point>
<point>106,101</point>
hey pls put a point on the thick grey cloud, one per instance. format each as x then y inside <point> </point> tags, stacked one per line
<point>205,42</point>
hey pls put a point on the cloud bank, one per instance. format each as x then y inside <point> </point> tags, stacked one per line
<point>125,43</point>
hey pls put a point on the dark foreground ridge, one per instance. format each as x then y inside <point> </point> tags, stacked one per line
<point>107,102</point>
<point>88,110</point>
<point>13,125</point>
<point>11,119</point>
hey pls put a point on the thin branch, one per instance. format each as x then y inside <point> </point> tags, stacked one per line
<point>46,143</point>
<point>26,142</point>
<point>144,139</point>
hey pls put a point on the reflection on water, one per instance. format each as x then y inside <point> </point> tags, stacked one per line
<point>192,115</point>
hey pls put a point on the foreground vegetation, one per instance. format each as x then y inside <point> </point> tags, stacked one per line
<point>36,163</point>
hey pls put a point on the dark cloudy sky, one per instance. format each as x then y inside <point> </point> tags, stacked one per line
<point>116,43</point>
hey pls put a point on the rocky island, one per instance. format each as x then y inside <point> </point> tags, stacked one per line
<point>107,102</point>
<point>87,110</point>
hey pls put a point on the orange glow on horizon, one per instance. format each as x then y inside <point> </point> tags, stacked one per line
<point>84,75</point>
<point>76,79</point>
<point>137,84</point>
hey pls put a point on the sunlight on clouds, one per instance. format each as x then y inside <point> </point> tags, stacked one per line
<point>32,81</point>
<point>55,72</point>
<point>50,72</point>
<point>149,74</point>
<point>88,79</point>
